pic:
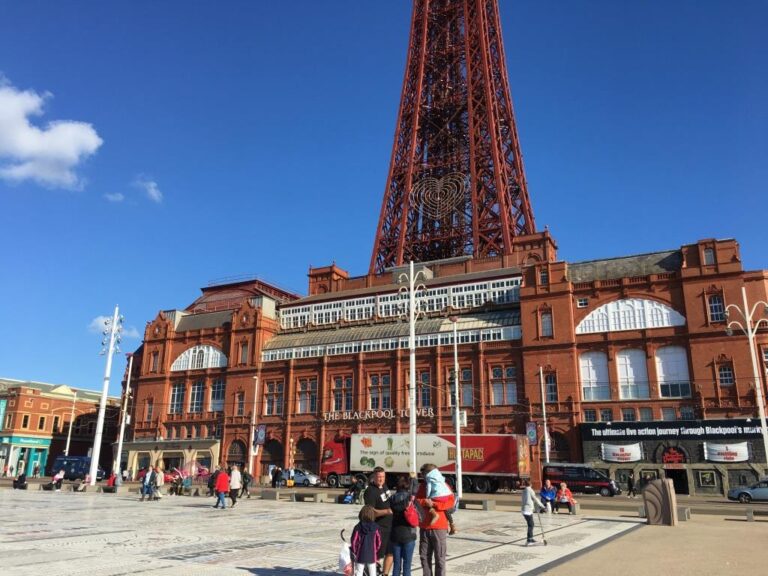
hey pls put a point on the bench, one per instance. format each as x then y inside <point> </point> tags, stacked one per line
<point>80,487</point>
<point>278,495</point>
<point>683,513</point>
<point>486,503</point>
<point>108,489</point>
<point>751,513</point>
<point>47,486</point>
<point>314,497</point>
<point>575,508</point>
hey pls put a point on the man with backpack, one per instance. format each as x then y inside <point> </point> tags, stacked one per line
<point>247,479</point>
<point>377,495</point>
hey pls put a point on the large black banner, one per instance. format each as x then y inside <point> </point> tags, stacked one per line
<point>678,429</point>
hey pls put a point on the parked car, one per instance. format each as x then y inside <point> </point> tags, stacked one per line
<point>301,477</point>
<point>746,494</point>
<point>75,467</point>
<point>580,478</point>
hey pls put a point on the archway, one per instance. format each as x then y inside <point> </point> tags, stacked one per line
<point>306,455</point>
<point>559,449</point>
<point>272,455</point>
<point>236,453</point>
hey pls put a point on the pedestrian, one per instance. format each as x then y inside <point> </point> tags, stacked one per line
<point>212,482</point>
<point>235,484</point>
<point>147,484</point>
<point>528,506</point>
<point>36,471</point>
<point>377,495</point>
<point>20,483</point>
<point>222,489</point>
<point>402,539</point>
<point>276,476</point>
<point>631,491</point>
<point>433,537</point>
<point>366,542</point>
<point>159,483</point>
<point>564,497</point>
<point>548,494</point>
<point>247,479</point>
<point>57,479</point>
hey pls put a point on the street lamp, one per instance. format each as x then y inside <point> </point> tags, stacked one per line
<point>411,288</point>
<point>252,449</point>
<point>71,423</point>
<point>114,327</point>
<point>544,414</point>
<point>457,405</point>
<point>750,327</point>
<point>123,418</point>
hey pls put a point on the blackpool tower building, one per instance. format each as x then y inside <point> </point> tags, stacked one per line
<point>627,355</point>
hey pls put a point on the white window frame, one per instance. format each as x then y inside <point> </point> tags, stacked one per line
<point>633,374</point>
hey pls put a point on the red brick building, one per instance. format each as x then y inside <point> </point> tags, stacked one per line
<point>35,421</point>
<point>630,339</point>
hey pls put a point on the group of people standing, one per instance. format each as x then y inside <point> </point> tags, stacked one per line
<point>229,482</point>
<point>386,530</point>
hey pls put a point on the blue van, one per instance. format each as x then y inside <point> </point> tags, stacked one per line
<point>75,467</point>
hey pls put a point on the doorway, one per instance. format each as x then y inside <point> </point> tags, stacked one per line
<point>679,479</point>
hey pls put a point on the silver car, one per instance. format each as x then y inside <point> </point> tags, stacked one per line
<point>745,494</point>
<point>301,477</point>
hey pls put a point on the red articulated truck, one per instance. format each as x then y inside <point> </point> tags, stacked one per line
<point>488,460</point>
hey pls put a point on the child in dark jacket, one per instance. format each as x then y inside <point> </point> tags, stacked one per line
<point>365,542</point>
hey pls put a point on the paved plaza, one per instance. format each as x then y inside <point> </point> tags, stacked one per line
<point>66,533</point>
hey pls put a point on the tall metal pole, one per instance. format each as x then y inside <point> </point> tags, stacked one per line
<point>123,418</point>
<point>544,414</point>
<point>71,422</point>
<point>251,452</point>
<point>750,329</point>
<point>96,452</point>
<point>457,406</point>
<point>412,364</point>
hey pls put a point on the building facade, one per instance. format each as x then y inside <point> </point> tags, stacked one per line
<point>37,419</point>
<point>625,340</point>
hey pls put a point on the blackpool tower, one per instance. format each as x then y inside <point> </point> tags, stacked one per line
<point>456,184</point>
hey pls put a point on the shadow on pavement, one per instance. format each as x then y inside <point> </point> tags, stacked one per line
<point>279,570</point>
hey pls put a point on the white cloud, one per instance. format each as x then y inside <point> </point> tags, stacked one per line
<point>97,326</point>
<point>116,197</point>
<point>151,189</point>
<point>48,155</point>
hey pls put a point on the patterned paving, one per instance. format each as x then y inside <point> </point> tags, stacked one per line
<point>66,534</point>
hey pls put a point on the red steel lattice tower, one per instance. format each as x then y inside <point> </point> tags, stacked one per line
<point>456,184</point>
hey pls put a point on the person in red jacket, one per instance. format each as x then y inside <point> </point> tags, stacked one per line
<point>564,497</point>
<point>221,488</point>
<point>433,538</point>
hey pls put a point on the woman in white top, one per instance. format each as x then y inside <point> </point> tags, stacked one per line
<point>235,484</point>
<point>530,502</point>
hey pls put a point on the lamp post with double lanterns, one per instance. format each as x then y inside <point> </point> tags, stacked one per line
<point>112,331</point>
<point>749,325</point>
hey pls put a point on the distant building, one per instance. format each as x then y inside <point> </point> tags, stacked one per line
<point>35,419</point>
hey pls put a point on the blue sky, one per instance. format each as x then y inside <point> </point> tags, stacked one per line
<point>147,148</point>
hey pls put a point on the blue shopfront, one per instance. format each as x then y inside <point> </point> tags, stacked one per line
<point>25,452</point>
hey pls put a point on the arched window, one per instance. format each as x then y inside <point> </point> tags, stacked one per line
<point>672,371</point>
<point>633,374</point>
<point>199,358</point>
<point>629,314</point>
<point>593,367</point>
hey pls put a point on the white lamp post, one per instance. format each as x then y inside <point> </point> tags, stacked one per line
<point>114,327</point>
<point>252,450</point>
<point>411,289</point>
<point>71,423</point>
<point>457,405</point>
<point>123,418</point>
<point>749,327</point>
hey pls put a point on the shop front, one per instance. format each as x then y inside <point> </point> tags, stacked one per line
<point>699,456</point>
<point>192,457</point>
<point>25,453</point>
